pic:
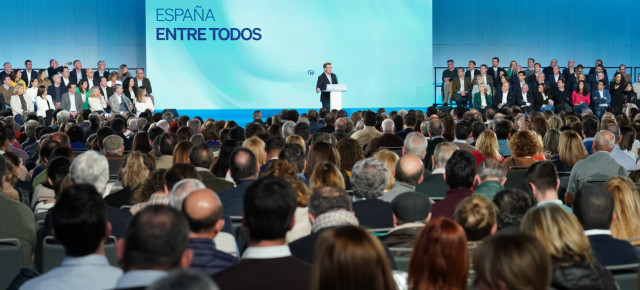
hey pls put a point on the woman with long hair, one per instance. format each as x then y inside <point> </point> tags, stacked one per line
<point>440,257</point>
<point>113,80</point>
<point>143,102</point>
<point>616,89</point>
<point>543,100</point>
<point>349,257</point>
<point>326,173</point>
<point>560,232</point>
<point>83,89</point>
<point>350,153</point>
<point>487,144</point>
<point>42,78</point>
<point>570,151</point>
<point>181,152</point>
<point>389,158</point>
<point>626,207</point>
<point>581,98</point>
<point>44,103</point>
<point>257,146</point>
<point>135,170</point>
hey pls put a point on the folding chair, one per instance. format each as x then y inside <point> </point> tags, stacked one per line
<point>11,261</point>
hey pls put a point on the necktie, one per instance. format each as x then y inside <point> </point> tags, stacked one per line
<point>23,103</point>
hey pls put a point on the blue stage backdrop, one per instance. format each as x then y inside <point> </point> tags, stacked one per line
<point>245,54</point>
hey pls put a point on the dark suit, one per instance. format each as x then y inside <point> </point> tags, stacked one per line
<point>232,198</point>
<point>497,99</point>
<point>323,81</point>
<point>286,273</point>
<point>118,218</point>
<point>403,134</point>
<point>34,75</point>
<point>455,91</point>
<point>96,74</point>
<point>467,74</point>
<point>495,73</point>
<point>93,82</point>
<point>431,148</point>
<point>433,186</point>
<point>53,71</point>
<point>373,213</point>
<point>213,182</point>
<point>547,70</point>
<point>520,101</point>
<point>145,83</point>
<point>562,99</point>
<point>57,97</point>
<point>610,252</point>
<point>73,77</point>
<point>386,140</point>
<point>109,92</point>
<point>539,100</point>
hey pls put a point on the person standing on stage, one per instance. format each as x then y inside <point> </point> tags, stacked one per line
<point>327,78</point>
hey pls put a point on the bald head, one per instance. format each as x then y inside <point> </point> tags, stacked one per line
<point>203,210</point>
<point>61,138</point>
<point>409,169</point>
<point>341,124</point>
<point>603,141</point>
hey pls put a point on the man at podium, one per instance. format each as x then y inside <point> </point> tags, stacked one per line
<point>327,78</point>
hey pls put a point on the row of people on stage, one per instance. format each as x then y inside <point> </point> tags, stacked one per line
<point>81,89</point>
<point>493,77</point>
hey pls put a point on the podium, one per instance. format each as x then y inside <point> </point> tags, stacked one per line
<point>335,99</point>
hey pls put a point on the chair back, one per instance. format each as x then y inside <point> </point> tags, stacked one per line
<point>11,261</point>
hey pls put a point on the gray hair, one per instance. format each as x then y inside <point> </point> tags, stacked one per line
<point>184,279</point>
<point>194,124</point>
<point>490,168</point>
<point>287,129</point>
<point>116,86</point>
<point>369,178</point>
<point>328,198</point>
<point>90,168</point>
<point>435,127</point>
<point>415,143</point>
<point>133,124</point>
<point>303,120</point>
<point>30,127</point>
<point>62,117</point>
<point>196,139</point>
<point>424,127</point>
<point>443,152</point>
<point>164,125</point>
<point>141,122</point>
<point>360,125</point>
<point>601,141</point>
<point>182,189</point>
<point>387,126</point>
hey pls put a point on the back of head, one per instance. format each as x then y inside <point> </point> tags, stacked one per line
<point>435,127</point>
<point>543,175</point>
<point>368,178</point>
<point>603,141</point>
<point>287,128</point>
<point>184,279</point>
<point>502,129</point>
<point>463,130</point>
<point>387,126</point>
<point>440,257</point>
<point>90,168</point>
<point>506,261</point>
<point>590,127</point>
<point>460,170</point>
<point>80,220</point>
<point>559,231</point>
<point>328,198</point>
<point>443,152</point>
<point>113,145</point>
<point>294,153</point>
<point>341,255</point>
<point>303,130</point>
<point>411,207</point>
<point>490,168</point>
<point>178,172</point>
<point>243,165</point>
<point>415,143</point>
<point>369,118</point>
<point>156,238</point>
<point>168,142</point>
<point>182,189</point>
<point>201,156</point>
<point>409,169</point>
<point>477,215</point>
<point>269,204</point>
<point>593,206</point>
<point>202,209</point>
<point>512,205</point>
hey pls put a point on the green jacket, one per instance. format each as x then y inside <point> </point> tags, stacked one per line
<point>488,189</point>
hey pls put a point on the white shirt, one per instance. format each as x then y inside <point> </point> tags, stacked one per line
<point>109,84</point>
<point>267,252</point>
<point>471,73</point>
<point>556,77</point>
<point>65,81</point>
<point>597,232</point>
<point>524,98</point>
<point>28,73</point>
<point>42,105</point>
<point>485,79</point>
<point>462,84</point>
<point>79,75</point>
<point>90,83</point>
<point>141,107</point>
<point>72,101</point>
<point>504,97</point>
<point>329,77</point>
<point>139,82</point>
<point>104,91</point>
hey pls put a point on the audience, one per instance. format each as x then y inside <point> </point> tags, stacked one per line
<point>244,170</point>
<point>626,208</point>
<point>460,172</point>
<point>490,178</point>
<point>434,185</point>
<point>369,177</point>
<point>408,173</point>
<point>411,211</point>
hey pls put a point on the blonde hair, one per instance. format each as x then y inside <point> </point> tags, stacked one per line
<point>135,171</point>
<point>389,159</point>
<point>555,122</point>
<point>559,231</point>
<point>326,173</point>
<point>94,92</point>
<point>487,143</point>
<point>256,145</point>
<point>17,87</point>
<point>297,139</point>
<point>626,206</point>
<point>571,149</point>
<point>477,216</point>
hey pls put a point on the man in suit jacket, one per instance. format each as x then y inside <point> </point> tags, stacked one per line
<point>118,102</point>
<point>434,185</point>
<point>534,76</point>
<point>92,81</point>
<point>388,139</point>
<point>66,77</point>
<point>269,206</point>
<point>78,72</point>
<point>494,70</point>
<point>72,101</point>
<point>244,171</point>
<point>6,90</point>
<point>105,91</point>
<point>54,68</point>
<point>28,73</point>
<point>460,170</point>
<point>504,97</point>
<point>461,88</point>
<point>549,70</point>
<point>524,99</point>
<point>7,70</point>
<point>56,90</point>
<point>607,250</point>
<point>435,129</point>
<point>201,157</point>
<point>488,80</point>
<point>325,79</point>
<point>518,82</point>
<point>101,72</point>
<point>472,72</point>
<point>600,99</point>
<point>142,81</point>
<point>562,97</point>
